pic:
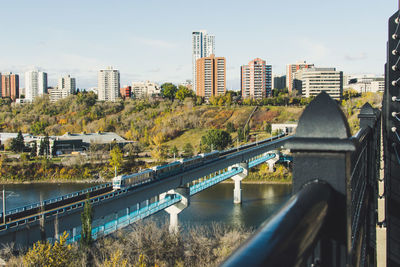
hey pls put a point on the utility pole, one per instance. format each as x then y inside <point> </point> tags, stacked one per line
<point>4,205</point>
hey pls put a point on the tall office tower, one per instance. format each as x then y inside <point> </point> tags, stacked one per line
<point>10,85</point>
<point>203,45</point>
<point>35,84</point>
<point>108,84</point>
<point>291,69</point>
<point>210,76</point>
<point>256,79</point>
<point>316,80</point>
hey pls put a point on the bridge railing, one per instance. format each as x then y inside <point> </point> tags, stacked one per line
<point>330,220</point>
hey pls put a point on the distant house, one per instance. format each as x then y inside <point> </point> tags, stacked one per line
<point>81,141</point>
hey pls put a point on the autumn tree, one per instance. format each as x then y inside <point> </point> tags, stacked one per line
<point>158,149</point>
<point>116,157</point>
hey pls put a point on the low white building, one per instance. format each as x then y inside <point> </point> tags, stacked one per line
<point>144,89</point>
<point>289,128</point>
<point>366,83</point>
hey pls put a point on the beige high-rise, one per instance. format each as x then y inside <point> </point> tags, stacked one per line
<point>210,76</point>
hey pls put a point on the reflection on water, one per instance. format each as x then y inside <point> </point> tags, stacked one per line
<point>215,204</point>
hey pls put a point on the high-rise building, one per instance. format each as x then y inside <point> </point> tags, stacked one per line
<point>211,76</point>
<point>65,87</point>
<point>279,82</point>
<point>203,45</point>
<point>256,79</point>
<point>10,85</point>
<point>316,80</point>
<point>108,84</point>
<point>291,69</point>
<point>35,84</point>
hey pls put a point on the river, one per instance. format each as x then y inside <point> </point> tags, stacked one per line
<point>215,204</point>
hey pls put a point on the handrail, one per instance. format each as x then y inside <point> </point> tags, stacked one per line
<point>288,237</point>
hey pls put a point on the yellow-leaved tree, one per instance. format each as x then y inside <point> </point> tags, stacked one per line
<point>46,254</point>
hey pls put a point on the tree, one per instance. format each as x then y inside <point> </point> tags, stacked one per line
<point>168,90</point>
<point>183,92</point>
<point>215,139</point>
<point>158,150</point>
<point>230,127</point>
<point>17,144</point>
<point>34,150</point>
<point>133,150</point>
<point>116,157</point>
<point>174,151</point>
<point>86,219</point>
<point>44,147</point>
<point>188,150</point>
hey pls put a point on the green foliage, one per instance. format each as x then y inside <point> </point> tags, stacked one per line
<point>188,150</point>
<point>351,93</point>
<point>215,139</point>
<point>33,150</point>
<point>183,92</point>
<point>44,148</point>
<point>174,150</point>
<point>86,220</point>
<point>168,90</point>
<point>18,144</point>
<point>39,127</point>
<point>230,127</point>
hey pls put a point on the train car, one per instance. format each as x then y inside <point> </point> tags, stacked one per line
<point>125,181</point>
<point>211,155</point>
<point>167,170</point>
<point>191,162</point>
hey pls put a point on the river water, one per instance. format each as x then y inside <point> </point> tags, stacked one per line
<point>213,205</point>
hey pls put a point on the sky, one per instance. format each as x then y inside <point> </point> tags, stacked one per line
<point>151,39</point>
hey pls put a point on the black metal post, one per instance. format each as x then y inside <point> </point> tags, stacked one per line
<point>322,150</point>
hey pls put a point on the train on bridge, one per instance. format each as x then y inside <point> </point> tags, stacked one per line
<point>124,182</point>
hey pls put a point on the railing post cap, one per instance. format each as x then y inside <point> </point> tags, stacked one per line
<point>367,111</point>
<point>322,127</point>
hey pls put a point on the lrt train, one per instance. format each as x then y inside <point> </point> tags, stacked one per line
<point>160,172</point>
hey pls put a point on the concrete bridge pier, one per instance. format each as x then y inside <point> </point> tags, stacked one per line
<point>237,191</point>
<point>271,162</point>
<point>177,208</point>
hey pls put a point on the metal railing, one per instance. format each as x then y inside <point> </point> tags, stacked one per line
<point>331,218</point>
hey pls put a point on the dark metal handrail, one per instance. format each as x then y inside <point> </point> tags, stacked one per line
<point>289,236</point>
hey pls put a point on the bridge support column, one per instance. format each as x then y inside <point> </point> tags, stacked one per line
<point>177,208</point>
<point>237,190</point>
<point>271,162</point>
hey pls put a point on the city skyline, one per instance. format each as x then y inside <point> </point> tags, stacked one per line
<point>347,35</point>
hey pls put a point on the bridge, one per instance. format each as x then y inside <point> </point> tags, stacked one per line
<point>115,209</point>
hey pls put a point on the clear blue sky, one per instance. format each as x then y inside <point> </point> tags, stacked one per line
<point>151,39</point>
